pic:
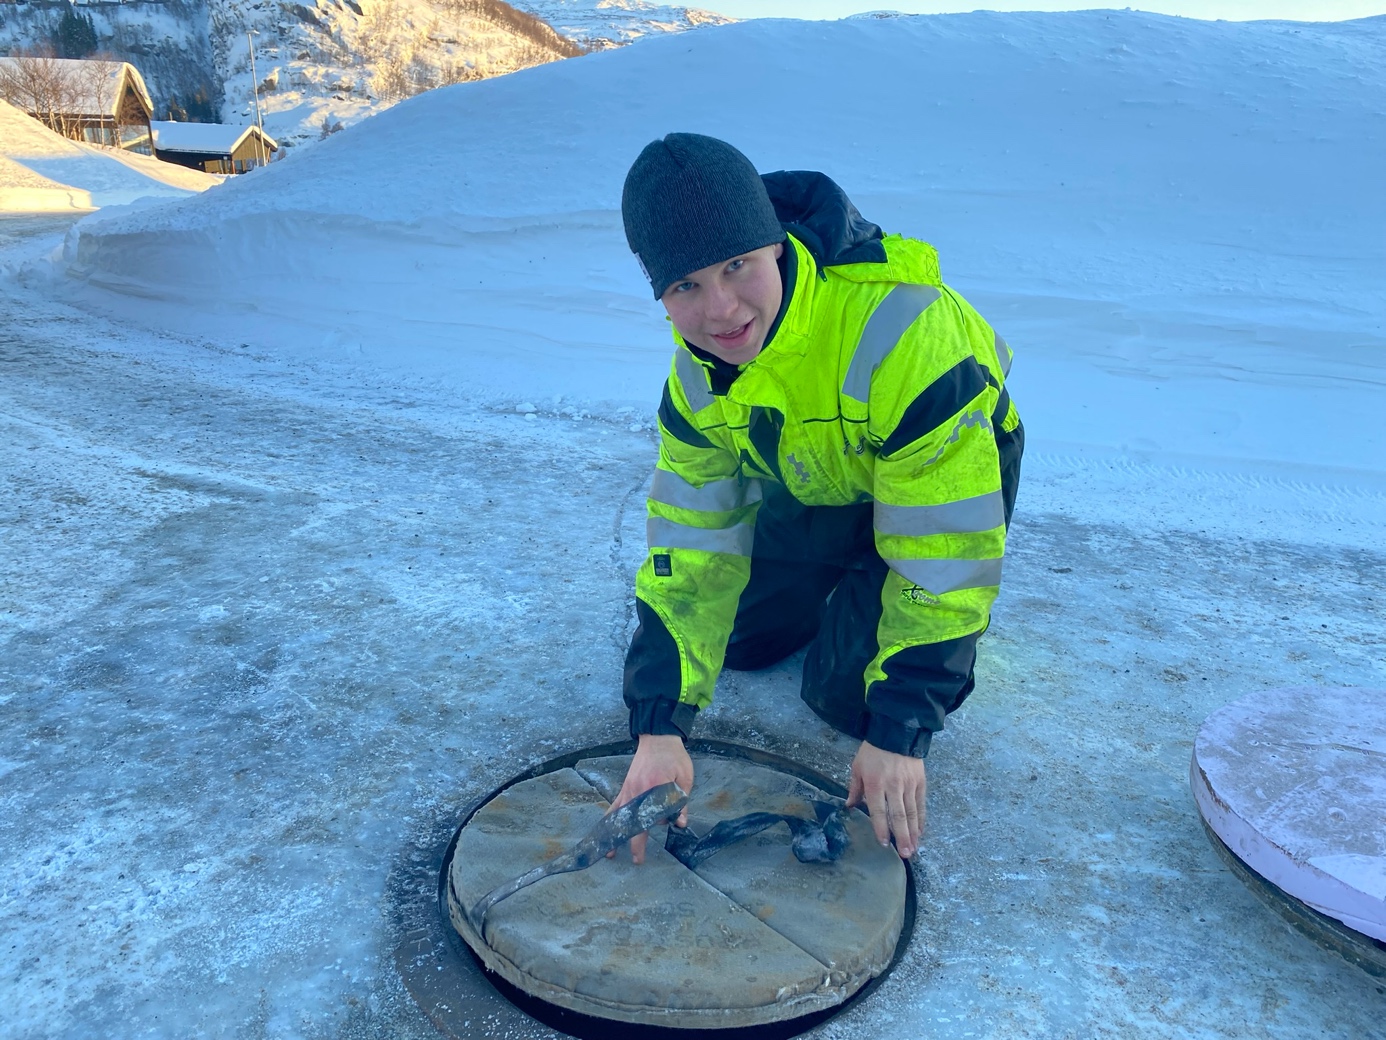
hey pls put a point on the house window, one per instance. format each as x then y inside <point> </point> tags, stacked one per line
<point>134,137</point>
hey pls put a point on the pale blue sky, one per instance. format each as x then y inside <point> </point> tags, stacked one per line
<point>1233,10</point>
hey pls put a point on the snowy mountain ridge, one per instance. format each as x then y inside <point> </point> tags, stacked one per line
<point>169,42</point>
<point>600,24</point>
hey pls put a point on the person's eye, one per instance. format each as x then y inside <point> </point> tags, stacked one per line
<point>736,265</point>
<point>683,287</point>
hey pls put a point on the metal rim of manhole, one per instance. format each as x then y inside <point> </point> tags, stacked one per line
<point>463,999</point>
<point>1354,947</point>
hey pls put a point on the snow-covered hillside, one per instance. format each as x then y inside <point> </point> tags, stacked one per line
<point>607,23</point>
<point>1098,181</point>
<point>167,40</point>
<point>336,61</point>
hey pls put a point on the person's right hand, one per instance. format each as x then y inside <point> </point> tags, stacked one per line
<point>658,760</point>
<point>893,788</point>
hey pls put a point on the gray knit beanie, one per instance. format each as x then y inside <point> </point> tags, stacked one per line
<point>691,201</point>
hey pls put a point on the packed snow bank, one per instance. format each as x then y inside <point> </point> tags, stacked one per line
<point>43,171</point>
<point>1177,223</point>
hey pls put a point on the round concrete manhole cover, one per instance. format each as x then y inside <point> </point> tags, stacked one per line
<point>1291,785</point>
<point>747,936</point>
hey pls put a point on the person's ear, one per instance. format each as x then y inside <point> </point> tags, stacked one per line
<point>779,250</point>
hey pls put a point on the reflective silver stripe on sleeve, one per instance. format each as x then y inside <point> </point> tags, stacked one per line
<point>666,534</point>
<point>693,378</point>
<point>719,496</point>
<point>1004,354</point>
<point>888,322</point>
<point>942,576</point>
<point>969,516</point>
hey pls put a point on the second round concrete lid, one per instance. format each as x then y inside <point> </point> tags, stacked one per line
<point>1294,782</point>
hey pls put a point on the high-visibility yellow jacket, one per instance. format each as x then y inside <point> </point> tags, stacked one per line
<point>879,384</point>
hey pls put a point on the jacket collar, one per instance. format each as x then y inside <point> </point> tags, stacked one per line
<point>814,209</point>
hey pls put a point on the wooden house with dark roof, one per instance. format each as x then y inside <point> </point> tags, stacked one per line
<point>213,147</point>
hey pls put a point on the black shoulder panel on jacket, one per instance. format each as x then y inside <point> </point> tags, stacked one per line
<point>940,401</point>
<point>672,420</point>
<point>819,214</point>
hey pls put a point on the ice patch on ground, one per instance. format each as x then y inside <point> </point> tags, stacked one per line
<point>308,621</point>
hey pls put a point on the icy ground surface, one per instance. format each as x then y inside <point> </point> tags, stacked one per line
<point>264,633</point>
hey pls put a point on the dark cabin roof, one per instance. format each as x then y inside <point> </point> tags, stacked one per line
<point>204,138</point>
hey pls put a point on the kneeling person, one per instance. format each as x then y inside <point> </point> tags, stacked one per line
<point>838,465</point>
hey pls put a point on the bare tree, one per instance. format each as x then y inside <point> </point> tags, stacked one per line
<point>97,82</point>
<point>35,83</point>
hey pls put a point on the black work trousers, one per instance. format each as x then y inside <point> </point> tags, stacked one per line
<point>816,580</point>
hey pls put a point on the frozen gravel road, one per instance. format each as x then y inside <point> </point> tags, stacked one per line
<point>264,630</point>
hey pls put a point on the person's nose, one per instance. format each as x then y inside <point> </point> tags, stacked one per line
<point>721,302</point>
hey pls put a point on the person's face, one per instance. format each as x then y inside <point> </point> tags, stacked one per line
<point>727,308</point>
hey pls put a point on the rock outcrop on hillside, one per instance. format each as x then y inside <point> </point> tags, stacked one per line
<point>320,64</point>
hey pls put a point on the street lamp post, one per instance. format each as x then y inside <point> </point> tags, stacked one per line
<point>255,95</point>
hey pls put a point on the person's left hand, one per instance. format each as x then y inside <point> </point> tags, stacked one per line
<point>892,787</point>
